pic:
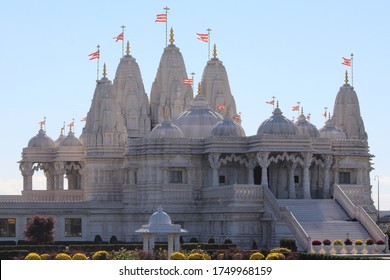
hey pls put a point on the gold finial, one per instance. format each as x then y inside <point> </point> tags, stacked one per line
<point>171,36</point>
<point>104,71</point>
<point>329,115</point>
<point>346,77</point>
<point>128,48</point>
<point>277,104</point>
<point>199,88</point>
<point>302,110</point>
<point>215,51</point>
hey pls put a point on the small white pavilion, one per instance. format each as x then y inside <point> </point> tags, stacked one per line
<point>160,224</point>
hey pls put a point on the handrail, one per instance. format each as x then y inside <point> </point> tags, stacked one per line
<point>288,217</point>
<point>359,214</point>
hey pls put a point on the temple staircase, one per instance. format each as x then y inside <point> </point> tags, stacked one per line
<point>324,219</point>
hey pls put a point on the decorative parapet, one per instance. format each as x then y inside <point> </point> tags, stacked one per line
<point>53,196</point>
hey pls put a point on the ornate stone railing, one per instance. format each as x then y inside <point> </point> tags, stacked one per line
<point>53,195</point>
<point>286,216</point>
<point>361,215</point>
<point>356,193</point>
<point>233,192</point>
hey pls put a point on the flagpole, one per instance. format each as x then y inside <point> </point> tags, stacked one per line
<point>299,107</point>
<point>208,33</point>
<point>193,75</point>
<point>98,48</point>
<point>352,68</point>
<point>273,103</point>
<point>166,26</point>
<point>123,40</point>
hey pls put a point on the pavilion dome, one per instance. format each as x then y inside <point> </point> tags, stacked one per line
<point>41,140</point>
<point>199,120</point>
<point>228,127</point>
<point>160,218</point>
<point>59,139</point>
<point>306,128</point>
<point>166,129</point>
<point>70,141</point>
<point>277,124</point>
<point>330,131</point>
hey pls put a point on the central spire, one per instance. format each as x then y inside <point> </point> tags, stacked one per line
<point>171,37</point>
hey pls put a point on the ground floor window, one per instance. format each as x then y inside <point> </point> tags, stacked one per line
<point>176,177</point>
<point>222,179</point>
<point>7,227</point>
<point>73,227</point>
<point>344,177</point>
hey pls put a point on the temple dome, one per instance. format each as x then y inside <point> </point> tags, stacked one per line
<point>330,131</point>
<point>305,128</point>
<point>70,141</point>
<point>160,218</point>
<point>199,120</point>
<point>41,140</point>
<point>228,127</point>
<point>59,139</point>
<point>277,124</point>
<point>166,129</point>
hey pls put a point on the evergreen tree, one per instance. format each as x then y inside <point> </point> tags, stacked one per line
<point>40,229</point>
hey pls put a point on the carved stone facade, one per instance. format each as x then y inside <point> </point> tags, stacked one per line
<point>219,186</point>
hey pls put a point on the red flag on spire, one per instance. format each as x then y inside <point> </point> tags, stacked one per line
<point>221,107</point>
<point>119,37</point>
<point>203,37</point>
<point>346,61</point>
<point>42,122</point>
<point>188,81</point>
<point>83,119</point>
<point>71,124</point>
<point>270,102</point>
<point>94,55</point>
<point>295,108</point>
<point>308,117</point>
<point>237,118</point>
<point>161,18</point>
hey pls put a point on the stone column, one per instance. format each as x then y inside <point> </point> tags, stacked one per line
<point>59,172</point>
<point>151,243</point>
<point>251,164</point>
<point>27,171</point>
<point>262,158</point>
<point>291,182</point>
<point>328,159</point>
<point>215,164</point>
<point>170,244</point>
<point>176,247</point>
<point>146,242</point>
<point>307,159</point>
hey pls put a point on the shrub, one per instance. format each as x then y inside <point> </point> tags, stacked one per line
<point>124,254</point>
<point>194,240</point>
<point>337,242</point>
<point>316,242</point>
<point>254,245</point>
<point>101,255</point>
<point>196,256</point>
<point>281,250</point>
<point>177,256</point>
<point>113,240</point>
<point>369,241</point>
<point>275,256</point>
<point>45,257</point>
<point>62,257</point>
<point>257,256</point>
<point>288,243</point>
<point>79,257</point>
<point>358,242</point>
<point>326,242</point>
<point>98,239</point>
<point>40,229</point>
<point>32,256</point>
<point>380,242</point>
<point>211,240</point>
<point>228,241</point>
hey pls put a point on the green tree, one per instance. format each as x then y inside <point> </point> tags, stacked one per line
<point>40,229</point>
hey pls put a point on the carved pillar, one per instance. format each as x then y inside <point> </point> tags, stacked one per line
<point>251,164</point>
<point>170,244</point>
<point>151,243</point>
<point>27,171</point>
<point>291,182</point>
<point>215,164</point>
<point>307,159</point>
<point>59,172</point>
<point>146,242</point>
<point>328,160</point>
<point>176,248</point>
<point>262,158</point>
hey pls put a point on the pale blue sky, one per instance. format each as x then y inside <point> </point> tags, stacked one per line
<point>289,49</point>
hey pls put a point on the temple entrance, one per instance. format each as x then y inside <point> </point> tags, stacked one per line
<point>257,175</point>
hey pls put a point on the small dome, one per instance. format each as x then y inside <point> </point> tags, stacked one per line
<point>160,218</point>
<point>166,129</point>
<point>330,131</point>
<point>199,120</point>
<point>59,139</point>
<point>41,140</point>
<point>70,141</point>
<point>228,127</point>
<point>305,128</point>
<point>277,124</point>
